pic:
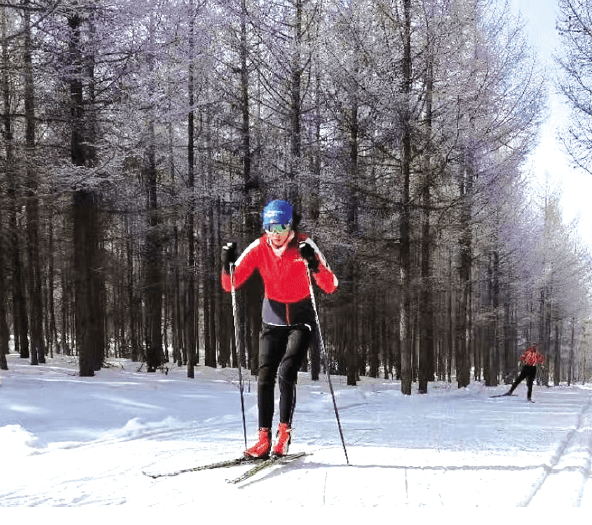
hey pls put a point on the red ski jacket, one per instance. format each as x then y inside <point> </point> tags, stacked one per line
<point>286,283</point>
<point>531,357</point>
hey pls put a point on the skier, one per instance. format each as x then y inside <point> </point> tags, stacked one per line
<point>281,256</point>
<point>529,359</point>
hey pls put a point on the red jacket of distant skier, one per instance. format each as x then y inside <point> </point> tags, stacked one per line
<point>531,357</point>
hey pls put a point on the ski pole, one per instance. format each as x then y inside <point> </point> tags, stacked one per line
<point>324,357</point>
<point>238,349</point>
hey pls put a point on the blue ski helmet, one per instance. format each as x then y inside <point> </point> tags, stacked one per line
<point>277,212</point>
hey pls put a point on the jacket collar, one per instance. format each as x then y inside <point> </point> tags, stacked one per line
<point>280,251</point>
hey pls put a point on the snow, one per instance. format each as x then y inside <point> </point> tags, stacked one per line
<point>68,441</point>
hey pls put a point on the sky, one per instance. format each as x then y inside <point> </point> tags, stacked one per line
<point>548,159</point>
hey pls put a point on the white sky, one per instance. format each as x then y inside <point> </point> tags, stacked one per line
<point>575,186</point>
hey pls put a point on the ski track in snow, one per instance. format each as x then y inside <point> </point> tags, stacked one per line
<point>568,458</point>
<point>75,442</point>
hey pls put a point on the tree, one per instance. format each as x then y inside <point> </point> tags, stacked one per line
<point>11,170</point>
<point>88,283</point>
<point>35,270</point>
<point>8,159</point>
<point>192,319</point>
<point>575,83</point>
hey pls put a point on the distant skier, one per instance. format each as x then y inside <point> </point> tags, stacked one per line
<point>529,359</point>
<point>281,256</point>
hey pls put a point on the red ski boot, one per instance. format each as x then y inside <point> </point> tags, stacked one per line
<point>262,447</point>
<point>283,440</point>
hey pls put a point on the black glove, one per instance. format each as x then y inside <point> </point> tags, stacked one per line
<point>308,254</point>
<point>229,255</point>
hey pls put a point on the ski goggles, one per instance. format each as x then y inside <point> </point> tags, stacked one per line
<point>278,228</point>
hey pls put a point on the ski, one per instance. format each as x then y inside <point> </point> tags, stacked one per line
<point>504,395</point>
<point>219,464</point>
<point>274,460</point>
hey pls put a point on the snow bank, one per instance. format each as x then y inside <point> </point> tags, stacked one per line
<point>17,442</point>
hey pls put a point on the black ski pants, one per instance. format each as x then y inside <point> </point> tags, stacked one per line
<point>281,351</point>
<point>529,373</point>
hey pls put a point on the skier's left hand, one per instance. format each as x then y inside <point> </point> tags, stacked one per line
<point>308,254</point>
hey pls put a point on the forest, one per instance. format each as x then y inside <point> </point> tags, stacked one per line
<point>137,137</point>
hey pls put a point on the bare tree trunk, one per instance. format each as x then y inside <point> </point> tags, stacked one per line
<point>571,351</point>
<point>177,307</point>
<point>462,327</point>
<point>295,107</point>
<point>315,197</point>
<point>32,206</point>
<point>84,220</point>
<point>492,356</point>
<point>132,297</point>
<point>510,337</point>
<point>89,298</point>
<point>557,356</point>
<point>53,327</point>
<point>250,182</point>
<point>498,323</point>
<point>349,289</point>
<point>8,159</point>
<point>190,315</point>
<point>545,330</point>
<point>405,221</point>
<point>19,301</point>
<point>4,332</point>
<point>426,311</point>
<point>209,295</point>
<point>250,296</point>
<point>19,296</point>
<point>153,257</point>
<point>153,262</point>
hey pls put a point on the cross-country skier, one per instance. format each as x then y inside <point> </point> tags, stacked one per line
<point>529,359</point>
<point>281,256</point>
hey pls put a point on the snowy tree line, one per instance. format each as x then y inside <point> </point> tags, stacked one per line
<point>138,137</point>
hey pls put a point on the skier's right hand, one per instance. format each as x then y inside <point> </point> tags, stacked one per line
<point>229,255</point>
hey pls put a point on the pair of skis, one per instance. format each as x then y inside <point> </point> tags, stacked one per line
<point>259,465</point>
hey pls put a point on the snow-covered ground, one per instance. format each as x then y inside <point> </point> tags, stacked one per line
<point>71,441</point>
